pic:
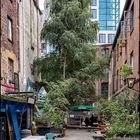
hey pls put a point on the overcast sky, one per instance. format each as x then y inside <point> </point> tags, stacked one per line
<point>41,2</point>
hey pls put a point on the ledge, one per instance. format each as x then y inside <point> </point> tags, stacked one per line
<point>13,98</point>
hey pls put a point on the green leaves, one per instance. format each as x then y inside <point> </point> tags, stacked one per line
<point>119,113</point>
<point>126,70</point>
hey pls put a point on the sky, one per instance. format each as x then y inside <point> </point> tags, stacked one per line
<point>41,2</point>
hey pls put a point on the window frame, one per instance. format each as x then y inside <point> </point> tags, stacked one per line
<point>111,38</point>
<point>132,60</point>
<point>10,29</point>
<point>10,70</point>
<point>102,93</point>
<point>93,2</point>
<point>92,13</point>
<point>102,34</point>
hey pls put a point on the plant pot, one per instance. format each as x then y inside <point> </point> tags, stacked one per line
<point>103,128</point>
<point>42,130</point>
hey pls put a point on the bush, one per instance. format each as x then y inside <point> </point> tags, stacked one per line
<point>121,114</point>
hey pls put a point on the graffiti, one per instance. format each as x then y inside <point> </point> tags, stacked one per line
<point>8,88</point>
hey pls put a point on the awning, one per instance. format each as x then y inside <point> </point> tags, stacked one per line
<point>82,107</point>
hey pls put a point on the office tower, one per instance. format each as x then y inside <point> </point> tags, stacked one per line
<point>107,13</point>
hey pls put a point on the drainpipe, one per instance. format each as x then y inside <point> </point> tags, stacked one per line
<point>113,73</point>
<point>0,67</point>
<point>0,51</point>
<point>139,43</point>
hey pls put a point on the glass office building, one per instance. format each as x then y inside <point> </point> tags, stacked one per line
<point>107,13</point>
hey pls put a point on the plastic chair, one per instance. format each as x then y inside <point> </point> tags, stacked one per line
<point>50,136</point>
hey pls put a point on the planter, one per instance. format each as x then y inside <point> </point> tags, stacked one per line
<point>42,130</point>
<point>123,138</point>
<point>103,128</point>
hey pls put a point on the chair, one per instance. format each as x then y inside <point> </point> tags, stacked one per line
<point>50,136</point>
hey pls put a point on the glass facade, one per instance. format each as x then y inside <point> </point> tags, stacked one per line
<point>94,13</point>
<point>109,14</point>
<point>93,2</point>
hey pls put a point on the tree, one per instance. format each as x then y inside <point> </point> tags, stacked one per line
<point>72,34</point>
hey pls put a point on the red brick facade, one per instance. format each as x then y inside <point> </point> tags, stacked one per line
<point>103,84</point>
<point>129,52</point>
<point>9,48</point>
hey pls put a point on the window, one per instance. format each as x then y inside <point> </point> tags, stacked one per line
<point>111,38</point>
<point>93,2</point>
<point>10,29</point>
<point>104,89</point>
<point>16,81</point>
<point>105,73</point>
<point>132,60</point>
<point>109,14</point>
<point>94,13</point>
<point>102,38</point>
<point>11,69</point>
<point>18,14</point>
<point>132,18</point>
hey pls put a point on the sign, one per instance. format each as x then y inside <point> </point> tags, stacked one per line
<point>8,88</point>
<point>31,100</point>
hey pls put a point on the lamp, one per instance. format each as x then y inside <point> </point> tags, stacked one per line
<point>131,82</point>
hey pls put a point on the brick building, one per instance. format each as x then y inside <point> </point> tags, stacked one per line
<point>126,50</point>
<point>9,45</point>
<point>103,83</point>
<point>19,44</point>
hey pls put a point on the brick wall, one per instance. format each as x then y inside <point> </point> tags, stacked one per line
<point>105,79</point>
<point>121,55</point>
<point>9,49</point>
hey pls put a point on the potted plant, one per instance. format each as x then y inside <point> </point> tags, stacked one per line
<point>43,126</point>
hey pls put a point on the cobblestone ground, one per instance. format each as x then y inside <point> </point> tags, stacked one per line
<point>76,134</point>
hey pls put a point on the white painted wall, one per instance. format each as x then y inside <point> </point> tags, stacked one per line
<point>29,29</point>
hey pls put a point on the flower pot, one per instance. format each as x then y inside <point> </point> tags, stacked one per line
<point>42,130</point>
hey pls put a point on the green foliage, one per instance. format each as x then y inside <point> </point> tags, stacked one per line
<point>56,103</point>
<point>126,70</point>
<point>72,69</point>
<point>119,113</point>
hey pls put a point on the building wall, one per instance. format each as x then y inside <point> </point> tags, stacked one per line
<point>9,49</point>
<point>104,9</point>
<point>121,55</point>
<point>29,22</point>
<point>104,51</point>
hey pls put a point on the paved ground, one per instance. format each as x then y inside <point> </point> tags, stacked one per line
<point>73,134</point>
<point>77,134</point>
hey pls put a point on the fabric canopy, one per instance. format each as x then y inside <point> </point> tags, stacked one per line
<point>82,107</point>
